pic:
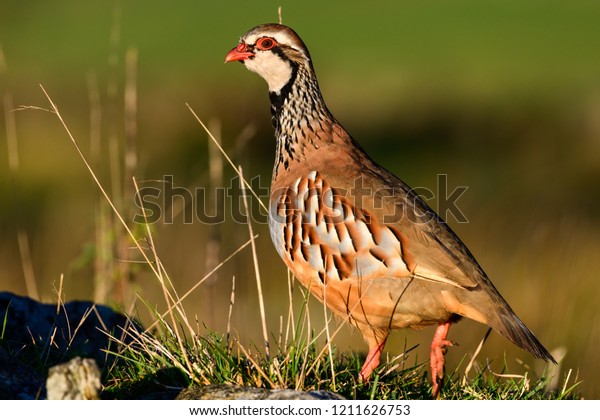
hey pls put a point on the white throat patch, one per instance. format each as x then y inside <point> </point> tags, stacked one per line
<point>270,67</point>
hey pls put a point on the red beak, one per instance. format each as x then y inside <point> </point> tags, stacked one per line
<point>239,53</point>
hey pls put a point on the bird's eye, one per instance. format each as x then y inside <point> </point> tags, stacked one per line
<point>266,43</point>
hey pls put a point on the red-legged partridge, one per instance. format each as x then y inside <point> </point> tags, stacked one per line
<point>353,233</point>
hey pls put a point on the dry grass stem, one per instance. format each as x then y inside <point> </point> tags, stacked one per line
<point>475,354</point>
<point>564,388</point>
<point>59,293</point>
<point>397,362</point>
<point>261,303</point>
<point>14,167</point>
<point>130,95</point>
<point>2,61</point>
<point>328,337</point>
<point>231,303</point>
<point>257,366</point>
<point>291,322</point>
<point>103,256</point>
<point>85,316</point>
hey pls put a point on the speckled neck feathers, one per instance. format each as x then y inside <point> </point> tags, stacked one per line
<point>299,115</point>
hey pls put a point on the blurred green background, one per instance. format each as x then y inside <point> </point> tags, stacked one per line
<point>502,96</point>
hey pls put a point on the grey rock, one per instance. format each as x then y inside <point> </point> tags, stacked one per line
<point>35,335</point>
<point>237,392</point>
<point>77,326</point>
<point>18,381</point>
<point>78,379</point>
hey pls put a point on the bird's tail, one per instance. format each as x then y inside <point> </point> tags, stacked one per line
<point>507,323</point>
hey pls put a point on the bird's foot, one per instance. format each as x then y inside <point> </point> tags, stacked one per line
<point>371,362</point>
<point>438,349</point>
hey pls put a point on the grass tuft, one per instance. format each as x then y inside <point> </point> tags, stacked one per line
<point>300,364</point>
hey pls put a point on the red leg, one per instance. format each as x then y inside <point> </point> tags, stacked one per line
<point>371,362</point>
<point>438,348</point>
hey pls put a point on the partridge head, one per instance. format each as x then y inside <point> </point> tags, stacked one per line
<point>353,233</point>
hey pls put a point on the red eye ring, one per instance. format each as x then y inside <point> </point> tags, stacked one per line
<point>266,43</point>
